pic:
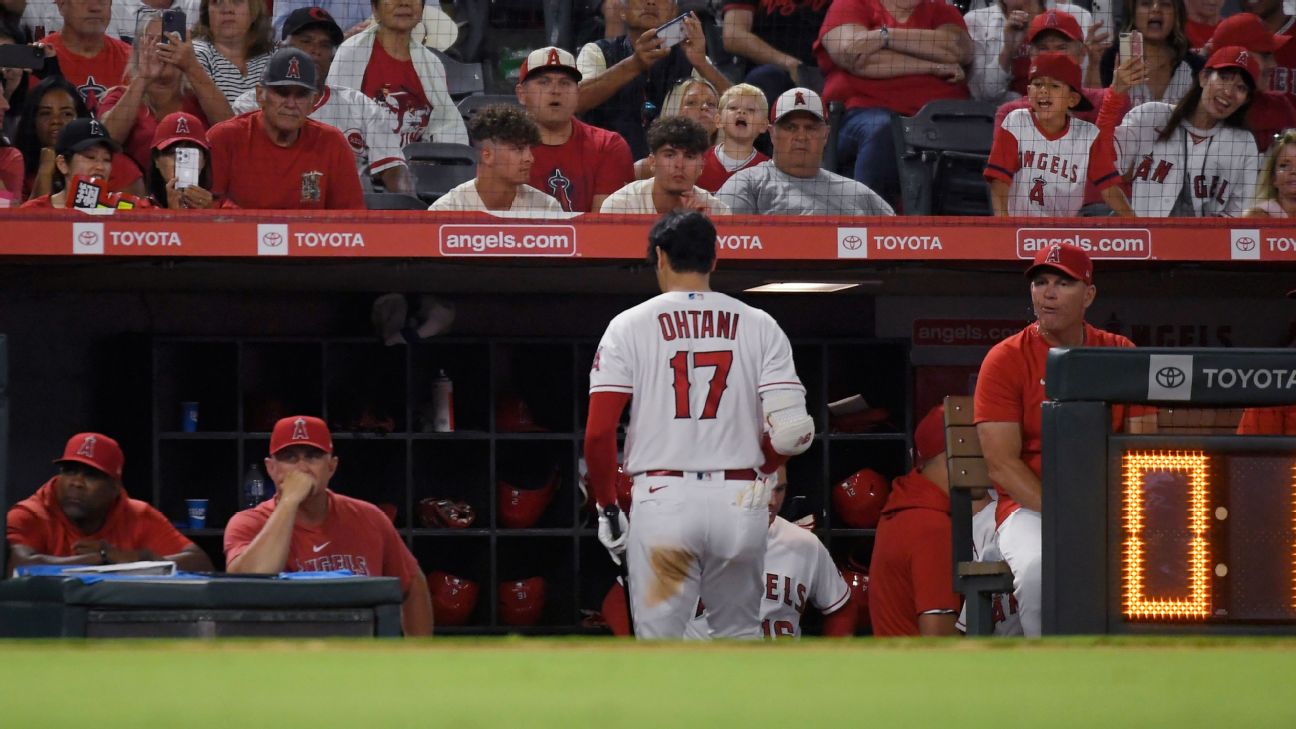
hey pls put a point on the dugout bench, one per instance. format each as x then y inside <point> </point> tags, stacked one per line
<point>215,606</point>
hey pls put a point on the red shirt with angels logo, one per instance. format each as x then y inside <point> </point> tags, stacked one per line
<point>396,86</point>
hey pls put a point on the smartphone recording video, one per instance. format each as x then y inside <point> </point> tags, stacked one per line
<point>671,33</point>
<point>173,21</point>
<point>186,167</point>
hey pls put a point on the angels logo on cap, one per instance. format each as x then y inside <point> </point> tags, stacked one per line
<point>182,126</point>
<point>87,448</point>
<point>797,99</point>
<point>294,69</point>
<point>1243,58</point>
<point>1054,254</point>
<point>299,430</point>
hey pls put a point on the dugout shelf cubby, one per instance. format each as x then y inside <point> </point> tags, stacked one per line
<point>360,387</point>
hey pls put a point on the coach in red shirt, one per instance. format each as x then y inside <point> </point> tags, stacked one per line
<point>83,516</point>
<point>279,158</point>
<point>307,527</point>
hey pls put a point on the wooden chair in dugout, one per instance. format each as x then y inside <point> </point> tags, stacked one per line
<point>969,478</point>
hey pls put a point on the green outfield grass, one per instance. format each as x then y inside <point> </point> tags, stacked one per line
<point>525,683</point>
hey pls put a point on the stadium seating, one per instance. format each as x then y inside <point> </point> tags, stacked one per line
<point>393,201</point>
<point>462,79</point>
<point>439,166</point>
<point>470,105</point>
<point>941,152</point>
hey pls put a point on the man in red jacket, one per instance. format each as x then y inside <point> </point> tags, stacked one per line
<point>911,588</point>
<point>83,516</point>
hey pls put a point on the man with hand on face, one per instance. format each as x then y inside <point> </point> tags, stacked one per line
<point>308,528</point>
<point>83,516</point>
<point>679,147</point>
<point>278,158</point>
<point>793,183</point>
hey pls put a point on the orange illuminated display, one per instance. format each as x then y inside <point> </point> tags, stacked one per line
<point>1194,466</point>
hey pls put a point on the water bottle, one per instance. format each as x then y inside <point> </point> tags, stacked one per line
<point>254,487</point>
<point>442,404</point>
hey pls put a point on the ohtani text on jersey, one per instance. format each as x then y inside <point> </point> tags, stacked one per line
<point>698,324</point>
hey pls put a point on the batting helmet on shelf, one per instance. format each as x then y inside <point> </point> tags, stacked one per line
<point>623,489</point>
<point>521,508</point>
<point>521,602</point>
<point>858,500</point>
<point>857,578</point>
<point>434,513</point>
<point>513,416</point>
<point>453,598</point>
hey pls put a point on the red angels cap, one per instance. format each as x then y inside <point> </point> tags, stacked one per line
<point>546,58</point>
<point>1236,57</point>
<point>95,450</point>
<point>1066,258</point>
<point>300,430</point>
<point>1061,67</point>
<point>929,436</point>
<point>179,127</point>
<point>1059,20</point>
<point>1246,30</point>
<point>798,99</point>
<point>513,416</point>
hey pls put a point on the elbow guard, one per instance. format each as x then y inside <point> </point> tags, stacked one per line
<point>791,429</point>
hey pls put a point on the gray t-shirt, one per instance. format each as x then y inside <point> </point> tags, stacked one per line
<point>767,190</point>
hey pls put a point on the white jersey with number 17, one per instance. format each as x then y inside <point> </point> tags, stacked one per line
<point>695,364</point>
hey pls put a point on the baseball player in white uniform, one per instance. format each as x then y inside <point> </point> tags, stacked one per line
<point>715,398</point>
<point>798,572</point>
<point>1007,621</point>
<point>367,126</point>
<point>1206,166</point>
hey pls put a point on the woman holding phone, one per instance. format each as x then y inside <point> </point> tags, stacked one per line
<point>233,42</point>
<point>164,77</point>
<point>180,141</point>
<point>1196,158</point>
<point>1171,68</point>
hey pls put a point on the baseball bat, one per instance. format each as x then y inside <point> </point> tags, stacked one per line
<point>613,514</point>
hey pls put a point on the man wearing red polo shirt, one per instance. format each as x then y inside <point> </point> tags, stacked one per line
<point>278,158</point>
<point>83,516</point>
<point>308,528</point>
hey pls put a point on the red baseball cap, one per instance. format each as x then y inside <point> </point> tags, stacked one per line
<point>179,127</point>
<point>300,430</point>
<point>1060,67</point>
<point>1059,20</point>
<point>1236,57</point>
<point>1246,30</point>
<point>95,450</point>
<point>1066,258</point>
<point>929,436</point>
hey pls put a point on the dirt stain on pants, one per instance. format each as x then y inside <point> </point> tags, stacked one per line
<point>670,567</point>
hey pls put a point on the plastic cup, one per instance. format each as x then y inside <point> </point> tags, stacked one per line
<point>189,417</point>
<point>197,509</point>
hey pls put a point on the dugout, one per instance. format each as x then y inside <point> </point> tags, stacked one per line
<point>1188,530</point>
<point>167,310</point>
